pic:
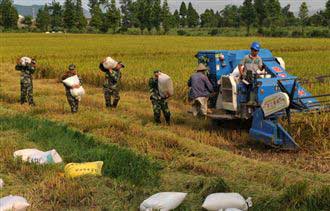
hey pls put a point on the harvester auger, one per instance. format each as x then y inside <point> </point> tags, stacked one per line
<point>278,95</point>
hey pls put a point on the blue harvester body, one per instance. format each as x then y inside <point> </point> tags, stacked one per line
<point>233,96</point>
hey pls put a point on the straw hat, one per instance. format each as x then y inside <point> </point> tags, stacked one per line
<point>201,67</point>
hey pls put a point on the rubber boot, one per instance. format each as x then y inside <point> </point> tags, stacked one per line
<point>168,120</point>
<point>157,120</point>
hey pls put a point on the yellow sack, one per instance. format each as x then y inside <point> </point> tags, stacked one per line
<point>72,170</point>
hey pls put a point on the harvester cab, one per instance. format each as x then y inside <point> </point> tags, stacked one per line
<point>277,94</point>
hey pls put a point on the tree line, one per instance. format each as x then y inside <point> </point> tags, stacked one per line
<point>148,15</point>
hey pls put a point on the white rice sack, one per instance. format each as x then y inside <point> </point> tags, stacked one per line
<point>25,60</point>
<point>109,63</point>
<point>1,183</point>
<point>15,203</point>
<point>163,201</point>
<point>72,81</point>
<point>165,85</point>
<point>77,92</point>
<point>39,157</point>
<point>218,201</point>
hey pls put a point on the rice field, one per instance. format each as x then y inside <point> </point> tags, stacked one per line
<point>191,156</point>
<point>174,55</point>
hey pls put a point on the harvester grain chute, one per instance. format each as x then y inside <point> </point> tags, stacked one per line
<point>279,94</point>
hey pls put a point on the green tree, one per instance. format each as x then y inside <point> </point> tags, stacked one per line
<point>183,15</point>
<point>8,14</point>
<point>318,19</point>
<point>303,16</point>
<point>56,16</point>
<point>230,16</point>
<point>143,14</point>
<point>156,14</point>
<point>176,19</point>
<point>209,19</point>
<point>80,20</point>
<point>218,18</point>
<point>327,13</point>
<point>273,11</point>
<point>166,17</point>
<point>43,18</point>
<point>288,16</point>
<point>192,16</point>
<point>69,15</point>
<point>259,6</point>
<point>248,14</point>
<point>96,14</point>
<point>113,16</point>
<point>127,14</point>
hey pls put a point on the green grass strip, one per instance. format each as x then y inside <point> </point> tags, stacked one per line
<point>75,146</point>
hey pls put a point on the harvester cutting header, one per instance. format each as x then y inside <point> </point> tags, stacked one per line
<point>263,94</point>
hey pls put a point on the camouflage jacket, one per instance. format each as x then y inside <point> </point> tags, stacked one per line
<point>112,78</point>
<point>154,91</point>
<point>26,71</point>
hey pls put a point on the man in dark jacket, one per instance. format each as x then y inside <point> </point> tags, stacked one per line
<point>200,90</point>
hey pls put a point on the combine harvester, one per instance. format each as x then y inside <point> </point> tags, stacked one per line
<point>278,94</point>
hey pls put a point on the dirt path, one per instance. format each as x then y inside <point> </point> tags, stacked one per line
<point>134,118</point>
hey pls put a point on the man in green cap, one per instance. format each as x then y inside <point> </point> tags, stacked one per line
<point>111,84</point>
<point>27,67</point>
<point>73,102</point>
<point>159,103</point>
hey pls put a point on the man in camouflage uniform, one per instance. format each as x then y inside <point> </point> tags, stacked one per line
<point>250,67</point>
<point>111,84</point>
<point>26,81</point>
<point>159,103</point>
<point>73,102</point>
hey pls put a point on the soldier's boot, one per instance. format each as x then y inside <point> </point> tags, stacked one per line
<point>157,119</point>
<point>168,120</point>
<point>22,99</point>
<point>252,100</point>
<point>31,102</point>
<point>108,103</point>
<point>115,103</point>
<point>74,109</point>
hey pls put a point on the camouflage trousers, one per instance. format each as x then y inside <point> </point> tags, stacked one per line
<point>111,92</point>
<point>26,90</point>
<point>159,106</point>
<point>73,102</point>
